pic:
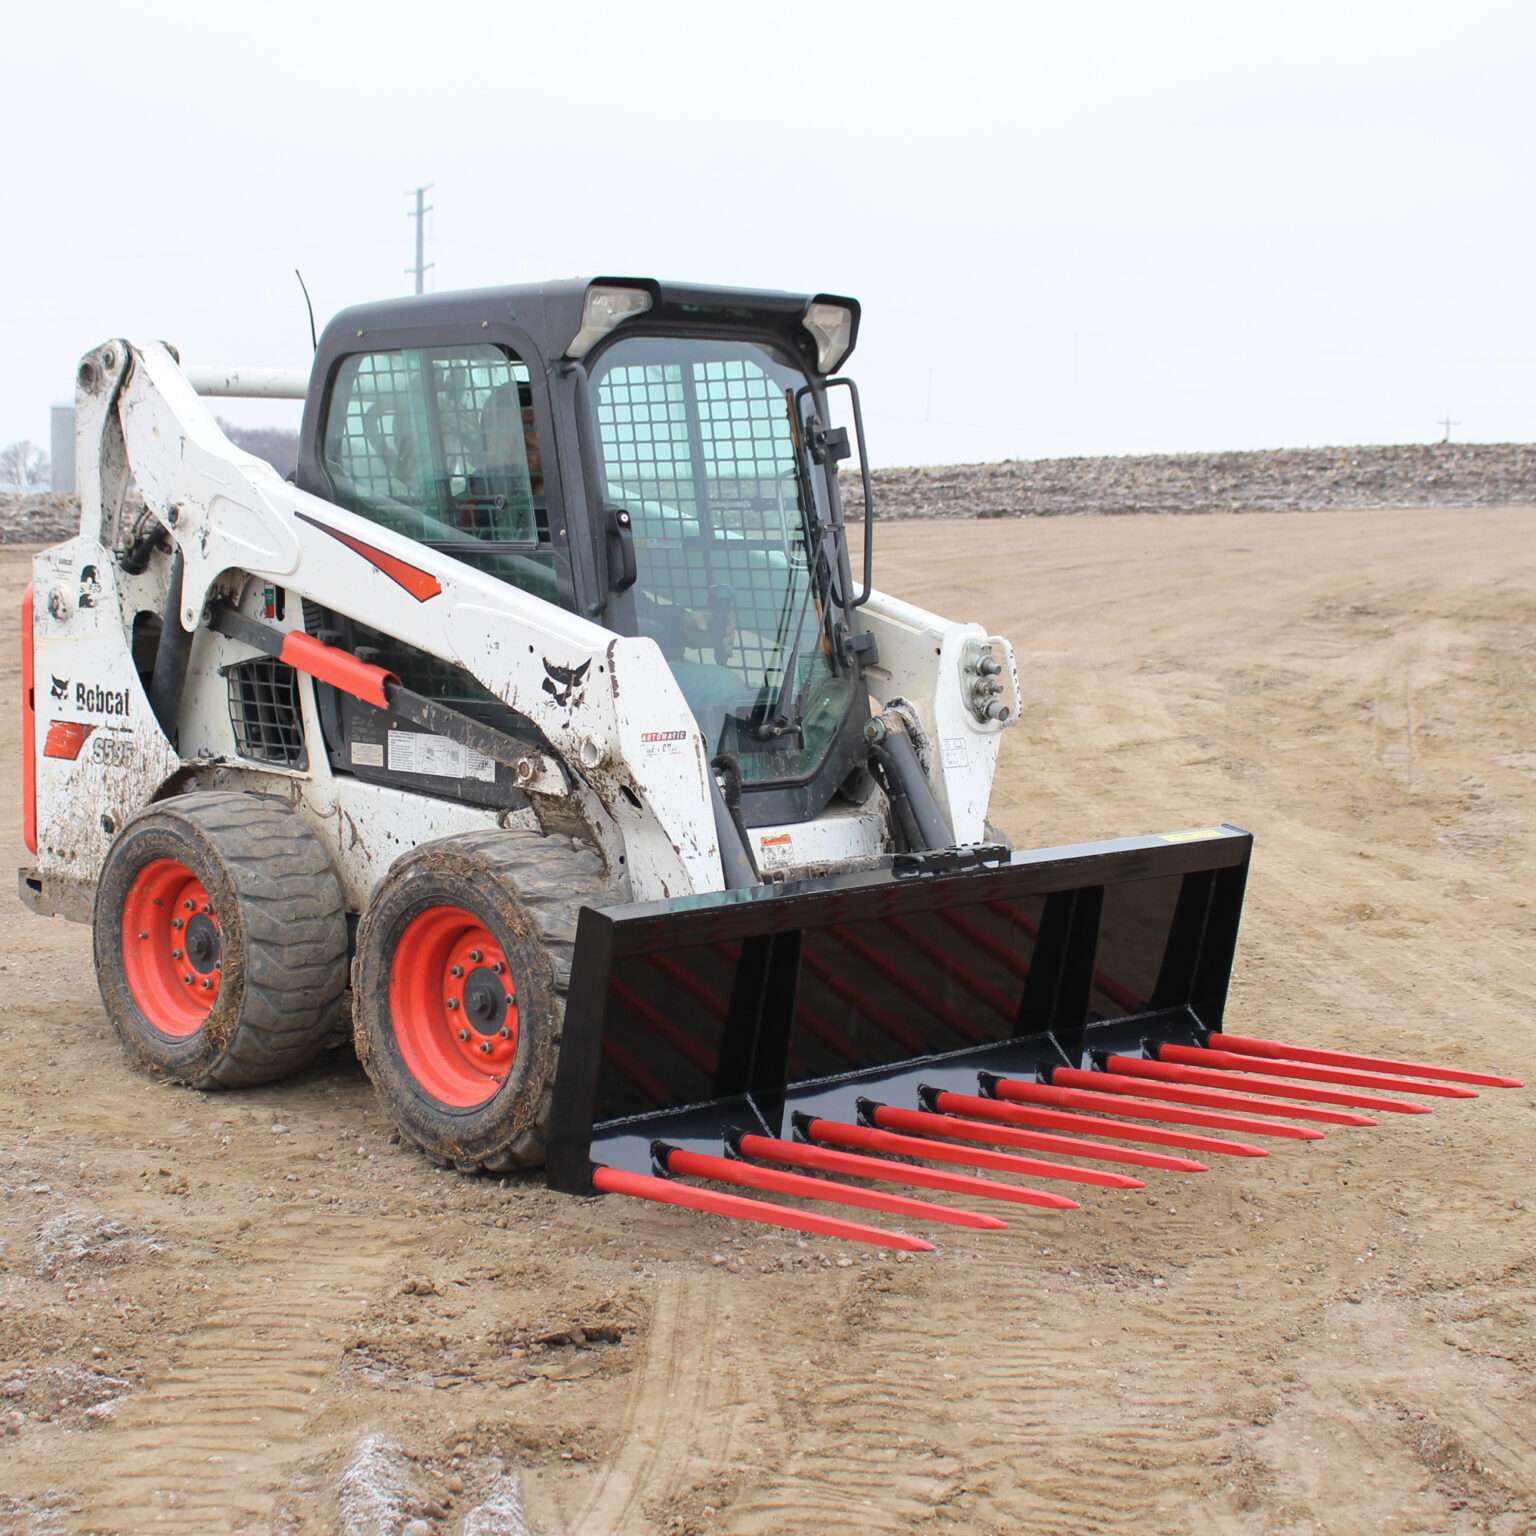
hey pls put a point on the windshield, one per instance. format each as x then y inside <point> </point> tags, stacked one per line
<point>737,573</point>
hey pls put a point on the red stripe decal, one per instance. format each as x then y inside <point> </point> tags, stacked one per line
<point>65,739</point>
<point>28,729</point>
<point>341,669</point>
<point>419,583</point>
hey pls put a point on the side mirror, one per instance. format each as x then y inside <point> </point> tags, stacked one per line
<point>827,446</point>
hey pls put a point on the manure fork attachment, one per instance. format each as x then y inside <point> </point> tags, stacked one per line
<point>951,1024</point>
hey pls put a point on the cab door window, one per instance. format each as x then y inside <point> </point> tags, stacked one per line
<point>441,445</point>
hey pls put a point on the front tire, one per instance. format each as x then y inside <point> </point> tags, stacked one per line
<point>220,939</point>
<point>463,958</point>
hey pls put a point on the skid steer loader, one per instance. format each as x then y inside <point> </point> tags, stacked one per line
<point>545,723</point>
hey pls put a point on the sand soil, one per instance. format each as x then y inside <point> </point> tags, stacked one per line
<point>254,1312</point>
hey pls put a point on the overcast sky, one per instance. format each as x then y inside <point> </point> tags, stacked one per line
<point>1089,228</point>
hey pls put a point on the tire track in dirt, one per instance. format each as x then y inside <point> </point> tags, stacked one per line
<point>206,1447</point>
<point>686,1417</point>
<point>1014,1424</point>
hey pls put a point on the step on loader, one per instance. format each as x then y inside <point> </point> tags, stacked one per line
<point>544,724</point>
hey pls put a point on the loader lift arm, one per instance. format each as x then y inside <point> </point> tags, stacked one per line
<point>231,516</point>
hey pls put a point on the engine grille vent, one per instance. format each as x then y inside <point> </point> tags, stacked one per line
<point>264,712</point>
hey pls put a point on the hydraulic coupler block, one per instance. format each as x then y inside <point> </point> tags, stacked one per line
<point>989,680</point>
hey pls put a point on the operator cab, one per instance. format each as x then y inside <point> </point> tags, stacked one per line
<point>656,457</point>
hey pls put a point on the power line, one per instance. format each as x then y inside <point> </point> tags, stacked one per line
<point>1447,423</point>
<point>420,213</point>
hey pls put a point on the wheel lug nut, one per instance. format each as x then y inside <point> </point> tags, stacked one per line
<point>474,955</point>
<point>188,978</point>
<point>485,1047</point>
<point>206,984</point>
<point>451,1004</point>
<point>498,967</point>
<point>456,970</point>
<point>176,922</point>
<point>191,906</point>
<point>504,1032</point>
<point>463,1034</point>
<point>175,954</point>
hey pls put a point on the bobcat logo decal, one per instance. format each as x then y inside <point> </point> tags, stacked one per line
<point>565,685</point>
<point>60,689</point>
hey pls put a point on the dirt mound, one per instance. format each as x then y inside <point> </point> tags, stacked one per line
<point>1283,480</point>
<point>38,517</point>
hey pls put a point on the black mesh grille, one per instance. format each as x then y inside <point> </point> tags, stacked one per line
<point>264,712</point>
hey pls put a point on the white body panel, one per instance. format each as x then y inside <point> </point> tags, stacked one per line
<point>923,662</point>
<point>635,775</point>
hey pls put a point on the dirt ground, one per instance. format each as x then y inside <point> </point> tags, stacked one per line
<point>226,1312</point>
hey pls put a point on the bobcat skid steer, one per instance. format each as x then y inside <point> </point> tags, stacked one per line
<point>544,721</point>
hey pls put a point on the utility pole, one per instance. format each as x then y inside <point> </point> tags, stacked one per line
<point>422,209</point>
<point>1447,423</point>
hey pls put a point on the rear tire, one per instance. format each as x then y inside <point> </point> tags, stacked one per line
<point>220,939</point>
<point>463,1054</point>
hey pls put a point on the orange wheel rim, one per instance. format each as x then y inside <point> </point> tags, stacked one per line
<point>453,1007</point>
<point>173,948</point>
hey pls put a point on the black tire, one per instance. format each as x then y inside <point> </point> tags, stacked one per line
<point>277,959</point>
<point>527,890</point>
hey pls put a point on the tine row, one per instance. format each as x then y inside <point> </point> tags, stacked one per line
<point>1173,1084</point>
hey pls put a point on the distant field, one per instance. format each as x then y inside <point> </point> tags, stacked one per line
<point>1279,480</point>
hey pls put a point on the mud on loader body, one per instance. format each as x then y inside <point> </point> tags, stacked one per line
<point>544,715</point>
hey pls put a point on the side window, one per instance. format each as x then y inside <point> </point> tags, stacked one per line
<point>441,446</point>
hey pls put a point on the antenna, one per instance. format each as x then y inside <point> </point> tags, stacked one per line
<point>314,340</point>
<point>420,213</point>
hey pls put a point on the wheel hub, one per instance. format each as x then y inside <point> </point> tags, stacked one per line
<point>486,1000</point>
<point>173,951</point>
<point>203,947</point>
<point>453,1006</point>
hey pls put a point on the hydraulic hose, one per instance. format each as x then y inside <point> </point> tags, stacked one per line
<point>171,655</point>
<point>900,761</point>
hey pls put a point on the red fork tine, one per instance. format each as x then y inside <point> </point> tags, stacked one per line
<point>1246,1045</point>
<point>805,1154</point>
<point>1157,1085</point>
<point>1160,1071</point>
<point>868,1138</point>
<point>973,1107</point>
<point>732,1170</point>
<point>647,1186</point>
<point>1230,1061</point>
<point>917,1122</point>
<point>1019,1112</point>
<point>1113,1104</point>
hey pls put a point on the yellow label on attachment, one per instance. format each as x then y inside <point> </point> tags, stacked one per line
<point>1193,835</point>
